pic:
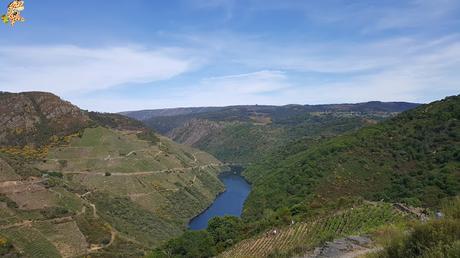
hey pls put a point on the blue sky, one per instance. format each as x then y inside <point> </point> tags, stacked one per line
<point>140,54</point>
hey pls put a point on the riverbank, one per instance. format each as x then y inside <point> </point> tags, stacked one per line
<point>230,202</point>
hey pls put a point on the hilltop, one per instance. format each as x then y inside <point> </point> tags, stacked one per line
<point>243,134</point>
<point>33,117</point>
<point>75,183</point>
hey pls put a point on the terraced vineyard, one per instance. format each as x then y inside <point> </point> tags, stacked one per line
<point>301,237</point>
<point>111,187</point>
<point>32,243</point>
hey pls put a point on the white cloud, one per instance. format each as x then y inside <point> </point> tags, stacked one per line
<point>237,89</point>
<point>249,83</point>
<point>72,69</point>
<point>395,69</point>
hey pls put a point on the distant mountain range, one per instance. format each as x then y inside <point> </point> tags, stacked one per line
<point>243,134</point>
<point>372,106</point>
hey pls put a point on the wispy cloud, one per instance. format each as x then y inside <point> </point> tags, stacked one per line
<point>249,83</point>
<point>238,89</point>
<point>400,68</point>
<point>418,13</point>
<point>72,69</point>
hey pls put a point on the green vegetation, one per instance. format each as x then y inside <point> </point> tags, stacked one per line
<point>81,182</point>
<point>299,238</point>
<point>222,232</point>
<point>226,231</point>
<point>93,228</point>
<point>433,239</point>
<point>121,247</point>
<point>31,242</point>
<point>244,134</point>
<point>436,238</point>
<point>55,174</point>
<point>7,248</point>
<point>192,244</point>
<point>55,212</point>
<point>410,158</point>
<point>36,125</point>
<point>9,203</point>
<point>134,221</point>
<point>149,136</point>
<point>247,141</point>
<point>98,184</point>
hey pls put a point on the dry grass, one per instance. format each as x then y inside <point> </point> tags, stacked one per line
<point>66,237</point>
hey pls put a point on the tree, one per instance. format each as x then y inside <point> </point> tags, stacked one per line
<point>225,231</point>
<point>192,244</point>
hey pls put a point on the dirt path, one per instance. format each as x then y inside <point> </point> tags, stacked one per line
<point>29,223</point>
<point>113,235</point>
<point>94,210</point>
<point>113,232</point>
<point>143,173</point>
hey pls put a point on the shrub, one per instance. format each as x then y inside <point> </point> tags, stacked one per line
<point>55,174</point>
<point>9,203</point>
<point>192,244</point>
<point>5,247</point>
<point>54,212</point>
<point>225,231</point>
<point>433,239</point>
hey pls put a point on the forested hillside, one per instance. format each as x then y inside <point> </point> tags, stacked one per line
<point>413,158</point>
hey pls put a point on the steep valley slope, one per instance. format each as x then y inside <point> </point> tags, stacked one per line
<point>413,158</point>
<point>386,181</point>
<point>244,134</point>
<point>76,183</point>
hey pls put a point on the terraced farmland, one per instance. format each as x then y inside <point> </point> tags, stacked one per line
<point>31,243</point>
<point>101,150</point>
<point>104,179</point>
<point>304,236</point>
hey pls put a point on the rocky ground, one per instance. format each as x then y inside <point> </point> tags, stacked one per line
<point>349,247</point>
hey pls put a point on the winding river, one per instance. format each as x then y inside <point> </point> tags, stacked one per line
<point>229,202</point>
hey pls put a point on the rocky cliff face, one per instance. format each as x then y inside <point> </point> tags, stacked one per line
<point>31,118</point>
<point>195,130</point>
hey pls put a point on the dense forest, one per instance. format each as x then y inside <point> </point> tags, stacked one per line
<point>414,157</point>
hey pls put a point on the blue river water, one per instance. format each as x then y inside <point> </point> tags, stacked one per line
<point>229,202</point>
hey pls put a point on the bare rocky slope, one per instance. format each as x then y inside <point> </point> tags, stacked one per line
<point>31,117</point>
